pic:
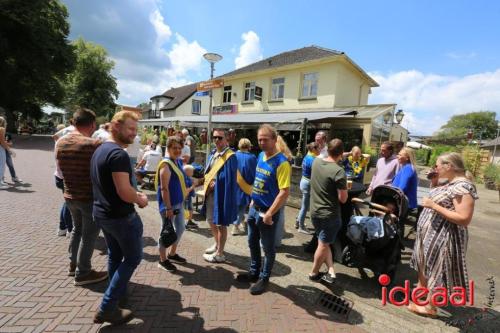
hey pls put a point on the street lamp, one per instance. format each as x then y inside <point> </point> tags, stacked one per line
<point>496,142</point>
<point>399,116</point>
<point>212,58</point>
<point>387,117</point>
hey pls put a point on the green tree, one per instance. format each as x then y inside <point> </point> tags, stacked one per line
<point>91,84</point>
<point>35,55</point>
<point>459,125</point>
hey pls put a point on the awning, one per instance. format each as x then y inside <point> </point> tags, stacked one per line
<point>281,120</point>
<point>417,145</point>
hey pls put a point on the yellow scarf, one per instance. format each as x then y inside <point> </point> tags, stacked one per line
<point>175,169</point>
<point>357,166</point>
<point>245,187</point>
<point>215,169</point>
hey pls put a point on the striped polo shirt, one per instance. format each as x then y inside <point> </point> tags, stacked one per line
<point>73,153</point>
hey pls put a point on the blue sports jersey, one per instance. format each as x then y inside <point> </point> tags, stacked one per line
<point>272,174</point>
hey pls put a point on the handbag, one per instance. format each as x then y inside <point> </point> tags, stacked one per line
<point>167,234</point>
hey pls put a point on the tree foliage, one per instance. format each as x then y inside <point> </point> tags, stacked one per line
<point>91,84</point>
<point>35,55</point>
<point>459,125</point>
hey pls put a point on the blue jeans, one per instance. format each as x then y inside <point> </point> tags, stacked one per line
<point>259,231</point>
<point>241,214</point>
<point>65,220</point>
<point>305,188</point>
<point>3,153</point>
<point>280,228</point>
<point>124,239</point>
<point>10,165</point>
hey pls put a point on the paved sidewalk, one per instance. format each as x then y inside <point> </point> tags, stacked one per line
<point>36,295</point>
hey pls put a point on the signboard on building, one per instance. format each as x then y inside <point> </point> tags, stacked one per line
<point>225,109</point>
<point>258,93</point>
<point>212,84</point>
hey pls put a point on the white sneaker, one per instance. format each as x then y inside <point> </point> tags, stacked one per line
<point>61,232</point>
<point>4,186</point>
<point>17,180</point>
<point>213,258</point>
<point>211,249</point>
<point>304,231</point>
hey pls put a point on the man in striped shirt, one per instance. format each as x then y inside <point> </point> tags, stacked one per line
<point>73,154</point>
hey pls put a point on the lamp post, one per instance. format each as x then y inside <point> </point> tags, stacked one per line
<point>399,116</point>
<point>496,142</point>
<point>212,58</point>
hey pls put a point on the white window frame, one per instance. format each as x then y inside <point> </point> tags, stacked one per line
<point>308,84</point>
<point>276,87</point>
<point>195,102</point>
<point>251,91</point>
<point>226,94</point>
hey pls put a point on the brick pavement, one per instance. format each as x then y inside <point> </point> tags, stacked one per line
<point>37,296</point>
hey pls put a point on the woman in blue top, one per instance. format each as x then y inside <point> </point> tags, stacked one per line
<point>305,187</point>
<point>171,187</point>
<point>247,162</point>
<point>406,179</point>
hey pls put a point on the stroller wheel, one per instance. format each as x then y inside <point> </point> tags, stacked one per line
<point>347,258</point>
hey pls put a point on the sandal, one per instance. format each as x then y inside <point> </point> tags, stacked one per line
<point>316,277</point>
<point>412,307</point>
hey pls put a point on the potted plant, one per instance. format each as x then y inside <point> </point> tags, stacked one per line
<point>492,177</point>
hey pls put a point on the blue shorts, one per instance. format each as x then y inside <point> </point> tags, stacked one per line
<point>141,171</point>
<point>327,229</point>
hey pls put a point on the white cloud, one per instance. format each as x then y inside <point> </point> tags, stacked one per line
<point>185,56</point>
<point>162,30</point>
<point>461,56</point>
<point>148,60</point>
<point>429,100</point>
<point>250,50</point>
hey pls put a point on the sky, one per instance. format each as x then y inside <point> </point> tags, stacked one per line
<point>434,59</point>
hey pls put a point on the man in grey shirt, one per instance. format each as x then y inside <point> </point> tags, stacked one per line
<point>328,190</point>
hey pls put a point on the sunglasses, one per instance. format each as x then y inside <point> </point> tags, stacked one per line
<point>217,137</point>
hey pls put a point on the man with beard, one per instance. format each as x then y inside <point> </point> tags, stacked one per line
<point>114,198</point>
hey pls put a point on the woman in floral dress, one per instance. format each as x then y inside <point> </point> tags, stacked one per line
<point>441,242</point>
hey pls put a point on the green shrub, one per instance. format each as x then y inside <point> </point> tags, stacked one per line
<point>163,138</point>
<point>492,172</point>
<point>441,149</point>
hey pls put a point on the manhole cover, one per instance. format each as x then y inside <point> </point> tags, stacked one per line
<point>335,304</point>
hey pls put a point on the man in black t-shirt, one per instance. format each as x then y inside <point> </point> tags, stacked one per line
<point>114,198</point>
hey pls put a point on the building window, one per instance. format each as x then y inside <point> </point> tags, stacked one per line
<point>310,85</point>
<point>249,91</point>
<point>196,109</point>
<point>226,98</point>
<point>278,88</point>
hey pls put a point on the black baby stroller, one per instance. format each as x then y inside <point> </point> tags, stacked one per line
<point>380,254</point>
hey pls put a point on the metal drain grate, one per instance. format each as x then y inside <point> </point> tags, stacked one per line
<point>335,304</point>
